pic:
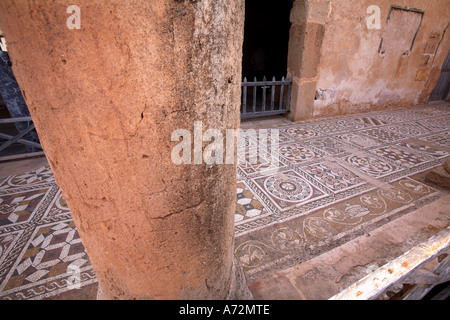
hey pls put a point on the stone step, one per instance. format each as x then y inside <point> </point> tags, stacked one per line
<point>326,275</point>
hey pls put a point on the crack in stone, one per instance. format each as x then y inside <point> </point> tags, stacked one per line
<point>178,211</point>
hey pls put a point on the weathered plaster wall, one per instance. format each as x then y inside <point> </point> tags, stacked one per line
<point>353,77</point>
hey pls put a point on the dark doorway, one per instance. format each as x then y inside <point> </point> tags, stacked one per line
<point>266,38</point>
<point>442,89</point>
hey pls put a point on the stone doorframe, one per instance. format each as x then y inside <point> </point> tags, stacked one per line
<point>308,18</point>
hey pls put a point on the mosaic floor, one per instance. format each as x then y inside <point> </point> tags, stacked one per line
<point>335,180</point>
<point>332,181</point>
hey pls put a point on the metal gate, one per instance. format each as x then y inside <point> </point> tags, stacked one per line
<point>265,98</point>
<point>14,140</point>
<point>442,89</point>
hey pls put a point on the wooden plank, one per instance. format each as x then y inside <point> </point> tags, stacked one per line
<point>421,290</point>
<point>376,283</point>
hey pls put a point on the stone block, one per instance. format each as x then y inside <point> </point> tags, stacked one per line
<point>306,10</point>
<point>304,49</point>
<point>299,11</point>
<point>319,10</point>
<point>302,101</point>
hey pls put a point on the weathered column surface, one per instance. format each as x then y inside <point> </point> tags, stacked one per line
<point>105,100</point>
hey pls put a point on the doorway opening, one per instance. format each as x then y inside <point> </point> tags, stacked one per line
<point>266,89</point>
<point>442,89</point>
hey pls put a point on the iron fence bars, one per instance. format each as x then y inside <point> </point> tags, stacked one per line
<point>13,132</point>
<point>264,87</point>
<point>244,98</point>
<point>255,89</point>
<point>281,95</point>
<point>274,97</point>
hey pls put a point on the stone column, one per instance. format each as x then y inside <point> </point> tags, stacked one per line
<point>106,86</point>
<point>308,20</point>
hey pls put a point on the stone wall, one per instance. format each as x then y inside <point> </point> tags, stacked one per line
<point>342,66</point>
<point>353,76</point>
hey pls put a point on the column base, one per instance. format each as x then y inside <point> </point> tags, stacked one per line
<point>238,287</point>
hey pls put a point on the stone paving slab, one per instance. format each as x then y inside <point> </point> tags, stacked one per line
<point>337,180</point>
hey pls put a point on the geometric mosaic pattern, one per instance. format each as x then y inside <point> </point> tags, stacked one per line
<point>39,244</point>
<point>373,166</point>
<point>384,135</point>
<point>338,177</point>
<point>247,204</point>
<point>50,251</point>
<point>401,156</point>
<point>297,153</point>
<point>286,189</point>
<point>322,184</point>
<point>333,176</point>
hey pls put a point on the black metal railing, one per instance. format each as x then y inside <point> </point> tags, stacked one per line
<point>14,139</point>
<point>265,98</point>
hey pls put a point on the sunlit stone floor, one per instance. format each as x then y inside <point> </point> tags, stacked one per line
<point>321,184</point>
